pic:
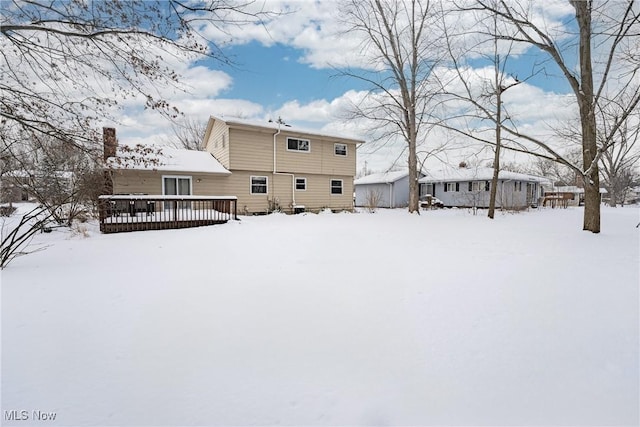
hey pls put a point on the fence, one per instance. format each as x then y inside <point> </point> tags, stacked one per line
<point>120,213</point>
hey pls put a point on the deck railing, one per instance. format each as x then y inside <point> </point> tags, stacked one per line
<point>133,212</point>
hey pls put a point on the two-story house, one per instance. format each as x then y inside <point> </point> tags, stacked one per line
<point>267,166</point>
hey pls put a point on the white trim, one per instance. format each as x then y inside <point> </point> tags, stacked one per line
<point>346,149</point>
<point>189,177</point>
<point>251,185</point>
<point>298,139</point>
<point>341,187</point>
<point>296,183</point>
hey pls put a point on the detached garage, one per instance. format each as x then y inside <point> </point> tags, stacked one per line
<point>383,190</point>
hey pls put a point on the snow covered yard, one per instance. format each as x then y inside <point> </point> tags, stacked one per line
<point>332,319</point>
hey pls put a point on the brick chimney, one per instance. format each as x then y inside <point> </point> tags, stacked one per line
<point>110,145</point>
<point>110,142</point>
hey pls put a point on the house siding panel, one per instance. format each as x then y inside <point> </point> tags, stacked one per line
<point>320,159</point>
<point>506,195</point>
<point>150,182</point>
<point>250,151</point>
<point>316,197</point>
<point>218,143</point>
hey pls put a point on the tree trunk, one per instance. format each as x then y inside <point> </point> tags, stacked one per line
<point>613,199</point>
<point>591,209</point>
<point>496,160</point>
<point>588,120</point>
<point>413,177</point>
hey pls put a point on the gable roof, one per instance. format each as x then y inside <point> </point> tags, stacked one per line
<point>166,159</point>
<point>382,178</point>
<point>477,174</point>
<point>272,127</point>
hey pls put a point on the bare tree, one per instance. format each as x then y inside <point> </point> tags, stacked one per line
<point>620,160</point>
<point>598,79</point>
<point>558,173</point>
<point>16,235</point>
<point>188,134</point>
<point>398,37</point>
<point>65,64</point>
<point>483,93</point>
<point>59,177</point>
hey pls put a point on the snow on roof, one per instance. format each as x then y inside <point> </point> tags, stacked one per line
<point>143,157</point>
<point>285,128</point>
<point>23,173</point>
<point>572,189</point>
<point>477,174</point>
<point>381,178</point>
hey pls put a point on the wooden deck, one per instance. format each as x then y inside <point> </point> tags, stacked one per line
<point>121,213</point>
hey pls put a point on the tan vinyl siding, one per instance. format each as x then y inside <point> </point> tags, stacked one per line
<point>316,197</point>
<point>218,143</point>
<point>251,150</point>
<point>318,193</point>
<point>239,184</point>
<point>320,159</point>
<point>150,182</point>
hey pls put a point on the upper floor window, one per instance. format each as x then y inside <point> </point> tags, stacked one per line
<point>340,149</point>
<point>295,144</point>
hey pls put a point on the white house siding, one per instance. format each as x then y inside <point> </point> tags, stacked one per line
<point>507,195</point>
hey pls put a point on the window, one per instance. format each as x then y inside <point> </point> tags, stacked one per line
<point>340,149</point>
<point>258,185</point>
<point>224,140</point>
<point>336,186</point>
<point>301,184</point>
<point>479,186</point>
<point>295,144</point>
<point>452,186</point>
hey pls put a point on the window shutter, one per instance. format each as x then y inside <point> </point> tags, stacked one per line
<point>457,186</point>
<point>445,187</point>
<point>470,186</point>
<point>486,186</point>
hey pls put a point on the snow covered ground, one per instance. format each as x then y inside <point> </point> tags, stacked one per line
<point>334,319</point>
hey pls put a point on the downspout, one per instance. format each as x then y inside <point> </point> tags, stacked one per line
<point>275,172</point>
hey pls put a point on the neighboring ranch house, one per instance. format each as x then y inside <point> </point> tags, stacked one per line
<point>470,187</point>
<point>383,190</point>
<point>267,166</point>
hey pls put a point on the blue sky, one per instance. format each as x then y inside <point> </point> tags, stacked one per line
<point>273,75</point>
<point>282,70</point>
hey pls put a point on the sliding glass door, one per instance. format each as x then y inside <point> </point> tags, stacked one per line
<point>176,186</point>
